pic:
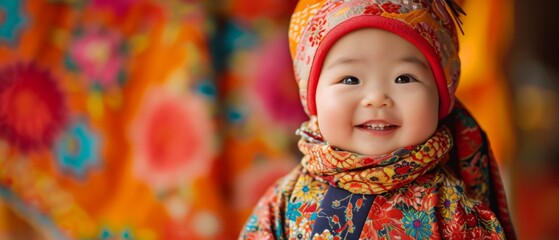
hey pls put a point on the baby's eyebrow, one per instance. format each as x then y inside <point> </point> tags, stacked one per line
<point>341,61</point>
<point>415,60</point>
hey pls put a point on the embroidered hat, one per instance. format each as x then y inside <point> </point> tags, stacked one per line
<point>428,24</point>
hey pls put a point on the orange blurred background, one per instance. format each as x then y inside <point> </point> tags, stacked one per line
<point>144,119</point>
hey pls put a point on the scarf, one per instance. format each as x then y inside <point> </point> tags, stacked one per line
<point>363,174</point>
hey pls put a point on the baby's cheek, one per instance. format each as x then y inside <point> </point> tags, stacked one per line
<point>421,132</point>
<point>331,127</point>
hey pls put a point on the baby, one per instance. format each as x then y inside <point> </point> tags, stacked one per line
<point>388,151</point>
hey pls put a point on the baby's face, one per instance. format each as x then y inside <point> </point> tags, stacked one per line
<point>376,93</point>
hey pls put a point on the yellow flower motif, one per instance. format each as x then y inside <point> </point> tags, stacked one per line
<point>448,202</point>
<point>306,189</point>
<point>452,183</point>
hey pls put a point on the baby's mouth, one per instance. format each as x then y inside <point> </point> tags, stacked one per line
<point>378,126</point>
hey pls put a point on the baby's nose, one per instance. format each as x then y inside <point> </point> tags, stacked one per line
<point>376,99</point>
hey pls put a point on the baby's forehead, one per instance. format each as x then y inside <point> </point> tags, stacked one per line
<point>369,43</point>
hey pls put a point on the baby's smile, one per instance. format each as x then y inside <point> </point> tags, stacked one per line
<point>378,126</point>
<point>381,126</point>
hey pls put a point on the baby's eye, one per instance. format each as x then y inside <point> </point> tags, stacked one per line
<point>350,80</point>
<point>404,79</point>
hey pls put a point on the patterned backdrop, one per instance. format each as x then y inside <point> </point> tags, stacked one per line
<point>145,119</point>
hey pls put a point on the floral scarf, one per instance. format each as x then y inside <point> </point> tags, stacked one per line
<point>448,187</point>
<point>364,174</point>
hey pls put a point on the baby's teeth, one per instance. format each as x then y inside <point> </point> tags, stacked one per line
<point>381,126</point>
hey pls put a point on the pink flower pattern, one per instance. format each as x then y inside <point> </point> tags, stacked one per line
<point>171,139</point>
<point>97,53</point>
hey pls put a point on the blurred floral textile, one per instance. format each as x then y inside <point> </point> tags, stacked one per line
<point>149,119</point>
<point>261,104</point>
<point>108,121</point>
<point>142,119</point>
